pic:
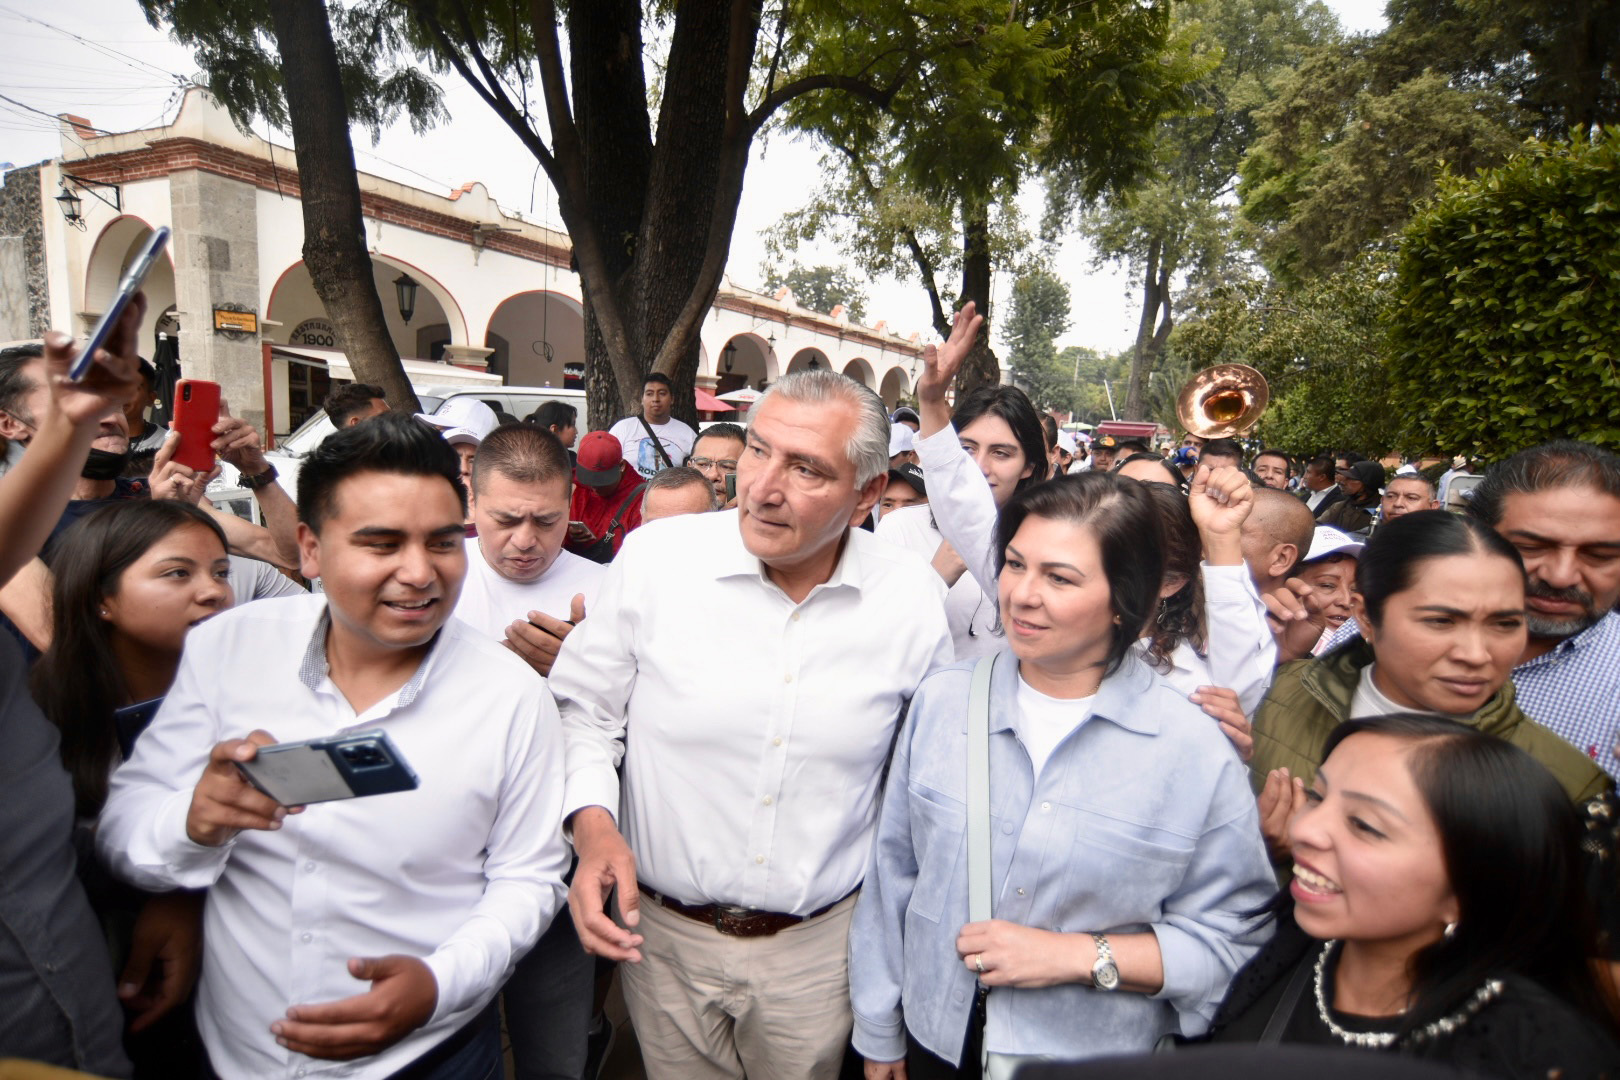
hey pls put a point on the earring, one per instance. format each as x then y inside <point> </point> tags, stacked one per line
<point>104,613</point>
<point>1164,609</point>
<point>1450,931</point>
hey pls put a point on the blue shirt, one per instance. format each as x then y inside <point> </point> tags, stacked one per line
<point>1142,819</point>
<point>1573,688</point>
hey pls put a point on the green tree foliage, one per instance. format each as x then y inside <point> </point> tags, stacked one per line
<point>1362,128</point>
<point>1506,328</point>
<point>821,288</point>
<point>1178,221</point>
<point>1037,315</point>
<point>1351,143</point>
<point>1322,347</point>
<point>1092,376</point>
<point>926,186</point>
<point>641,113</point>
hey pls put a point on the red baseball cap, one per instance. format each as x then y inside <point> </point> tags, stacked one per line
<point>600,459</point>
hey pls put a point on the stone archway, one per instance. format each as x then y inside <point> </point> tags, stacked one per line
<point>861,371</point>
<point>896,385</point>
<point>539,340</point>
<point>745,360</point>
<point>115,246</point>
<point>809,359</point>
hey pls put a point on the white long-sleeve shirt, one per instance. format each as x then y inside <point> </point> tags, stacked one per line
<point>757,728</point>
<point>1242,652</point>
<point>464,872</point>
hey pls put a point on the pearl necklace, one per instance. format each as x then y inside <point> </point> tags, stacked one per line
<point>1446,1025</point>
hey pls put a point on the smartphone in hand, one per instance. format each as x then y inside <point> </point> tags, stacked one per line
<point>324,770</point>
<point>196,411</point>
<point>127,288</point>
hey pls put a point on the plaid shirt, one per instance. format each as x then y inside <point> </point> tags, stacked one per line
<point>1574,688</point>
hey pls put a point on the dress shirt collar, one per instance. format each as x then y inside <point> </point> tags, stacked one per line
<point>733,559</point>
<point>1117,700</point>
<point>1605,629</point>
<point>315,669</point>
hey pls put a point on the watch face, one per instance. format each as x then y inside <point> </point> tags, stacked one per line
<point>1106,976</point>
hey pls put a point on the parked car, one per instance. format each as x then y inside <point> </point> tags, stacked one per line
<point>507,401</point>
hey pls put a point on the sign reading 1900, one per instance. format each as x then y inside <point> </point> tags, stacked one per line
<point>317,332</point>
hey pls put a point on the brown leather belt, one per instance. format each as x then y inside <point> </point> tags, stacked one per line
<point>737,921</point>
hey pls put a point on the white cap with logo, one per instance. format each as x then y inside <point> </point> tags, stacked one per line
<point>463,419</point>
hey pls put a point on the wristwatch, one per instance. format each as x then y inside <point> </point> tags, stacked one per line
<point>1104,973</point>
<point>260,480</point>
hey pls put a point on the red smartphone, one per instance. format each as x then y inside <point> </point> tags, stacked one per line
<point>196,411</point>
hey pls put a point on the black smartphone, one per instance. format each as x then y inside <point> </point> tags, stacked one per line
<point>731,486</point>
<point>325,770</point>
<point>139,267</point>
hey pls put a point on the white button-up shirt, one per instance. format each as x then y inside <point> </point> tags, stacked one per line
<point>758,728</point>
<point>463,872</point>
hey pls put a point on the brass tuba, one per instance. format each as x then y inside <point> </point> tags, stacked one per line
<point>1222,401</point>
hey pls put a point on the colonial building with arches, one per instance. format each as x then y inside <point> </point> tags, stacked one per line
<point>471,292</point>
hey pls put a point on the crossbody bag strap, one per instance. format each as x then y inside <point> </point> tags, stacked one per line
<point>1284,1011</point>
<point>978,791</point>
<point>613,526</point>
<point>658,446</point>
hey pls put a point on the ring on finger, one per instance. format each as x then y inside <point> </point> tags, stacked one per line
<point>978,962</point>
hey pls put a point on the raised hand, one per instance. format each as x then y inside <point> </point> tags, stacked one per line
<point>940,365</point>
<point>1220,500</point>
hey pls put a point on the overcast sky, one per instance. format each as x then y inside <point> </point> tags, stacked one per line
<point>99,59</point>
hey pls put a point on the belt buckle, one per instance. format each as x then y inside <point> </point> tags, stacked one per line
<point>728,918</point>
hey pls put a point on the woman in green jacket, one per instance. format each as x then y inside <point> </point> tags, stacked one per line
<point>1440,602</point>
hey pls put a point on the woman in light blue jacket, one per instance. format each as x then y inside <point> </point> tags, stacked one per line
<point>1125,845</point>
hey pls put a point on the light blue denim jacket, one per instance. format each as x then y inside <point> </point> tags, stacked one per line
<point>1142,819</point>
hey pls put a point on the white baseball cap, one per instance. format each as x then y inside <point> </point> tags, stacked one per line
<point>1327,540</point>
<point>901,439</point>
<point>1065,441</point>
<point>463,419</point>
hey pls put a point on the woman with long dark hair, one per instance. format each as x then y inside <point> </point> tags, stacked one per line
<point>1436,910</point>
<point>1123,848</point>
<point>131,580</point>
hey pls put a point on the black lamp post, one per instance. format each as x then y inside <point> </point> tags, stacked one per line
<point>405,286</point>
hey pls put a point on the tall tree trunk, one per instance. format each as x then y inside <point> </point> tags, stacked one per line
<point>980,368</point>
<point>334,227</point>
<point>615,142</point>
<point>1150,339</point>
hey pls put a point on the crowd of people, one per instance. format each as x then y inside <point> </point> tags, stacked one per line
<point>933,742</point>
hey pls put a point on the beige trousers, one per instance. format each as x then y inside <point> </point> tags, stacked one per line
<point>707,1006</point>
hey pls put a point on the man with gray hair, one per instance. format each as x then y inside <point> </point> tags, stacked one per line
<point>677,491</point>
<point>745,819</point>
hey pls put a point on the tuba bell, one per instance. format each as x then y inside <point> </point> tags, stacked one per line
<point>1222,401</point>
